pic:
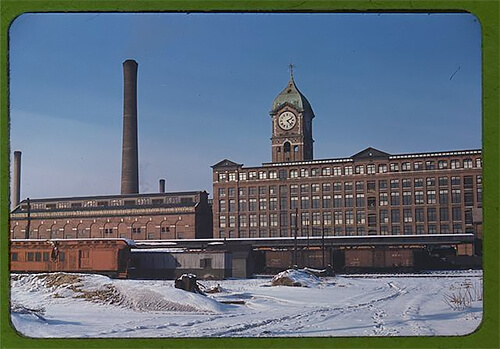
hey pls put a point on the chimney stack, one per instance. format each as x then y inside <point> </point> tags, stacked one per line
<point>130,162</point>
<point>162,185</point>
<point>16,180</point>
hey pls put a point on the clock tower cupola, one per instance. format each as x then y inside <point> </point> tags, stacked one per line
<point>291,116</point>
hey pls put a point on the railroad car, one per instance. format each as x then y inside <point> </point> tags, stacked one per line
<point>279,260</point>
<point>109,257</point>
<point>378,259</point>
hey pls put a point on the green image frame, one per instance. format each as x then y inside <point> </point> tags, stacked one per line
<point>486,11</point>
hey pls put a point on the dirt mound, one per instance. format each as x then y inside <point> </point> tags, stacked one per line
<point>296,278</point>
<point>60,279</point>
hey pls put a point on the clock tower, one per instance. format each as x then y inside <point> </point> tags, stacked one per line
<point>291,116</point>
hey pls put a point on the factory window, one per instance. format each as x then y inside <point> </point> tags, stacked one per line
<point>294,173</point>
<point>372,219</point>
<point>420,229</point>
<point>284,219</point>
<point>273,204</point>
<point>327,218</point>
<point>384,230</point>
<point>252,191</point>
<point>419,183</point>
<point>370,169</point>
<point>326,187</point>
<point>222,221</point>
<point>348,170</point>
<point>372,202</point>
<point>407,229</point>
<point>337,171</point>
<point>418,166</point>
<point>360,217</point>
<point>370,185</point>
<point>360,186</point>
<point>348,186</point>
<point>456,196</point>
<point>315,187</point>
<point>407,216</point>
<point>382,168</point>
<point>349,198</point>
<point>316,218</point>
<point>394,167</point>
<point>108,231</point>
<point>155,202</point>
<point>252,204</point>
<point>405,166</point>
<point>222,192</point>
<point>222,177</point>
<point>304,188</point>
<point>456,214</point>
<point>304,202</point>
<point>242,221</point>
<point>457,228</point>
<point>431,196</point>
<point>419,197</point>
<point>50,206</point>
<point>294,202</point>
<point>337,200</point>
<point>253,220</point>
<point>383,199</point>
<point>443,214</point>
<point>282,174</point>
<point>230,192</point>
<point>136,230</point>
<point>127,203</point>
<point>273,190</point>
<point>304,172</point>
<point>445,228</point>
<point>443,197</point>
<point>263,220</point>
<point>467,163</point>
<point>242,176</point>
<point>468,182</point>
<point>262,175</point>
<point>262,191</point>
<point>327,201</point>
<point>394,183</point>
<point>360,200</point>
<point>242,205</point>
<point>443,181</point>
<point>326,171</point>
<point>337,186</point>
<point>273,174</point>
<point>395,230</point>
<point>455,180</point>
<point>395,215</point>
<point>431,229</point>
<point>442,164</point>
<point>315,172</point>
<point>406,198</point>
<point>479,197</point>
<point>430,165</point>
<point>468,198</point>
<point>337,217</point>
<point>252,175</point>
<point>76,204</point>
<point>382,184</point>
<point>222,205</point>
<point>243,234</point>
<point>431,181</point>
<point>454,164</point>
<point>165,229</point>
<point>232,221</point>
<point>262,204</point>
<point>395,200</point>
<point>359,169</point>
<point>304,216</point>
<point>479,163</point>
<point>315,201</point>
<point>431,214</point>
<point>349,217</point>
<point>406,183</point>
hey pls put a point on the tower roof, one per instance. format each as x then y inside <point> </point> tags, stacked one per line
<point>291,96</point>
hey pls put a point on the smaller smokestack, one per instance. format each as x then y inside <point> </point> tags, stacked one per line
<point>162,185</point>
<point>16,179</point>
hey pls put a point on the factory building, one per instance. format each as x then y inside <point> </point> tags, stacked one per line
<point>369,193</point>
<point>154,216</point>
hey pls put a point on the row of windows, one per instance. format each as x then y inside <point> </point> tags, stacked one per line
<point>349,217</point>
<point>349,231</point>
<point>37,256</point>
<point>107,203</point>
<point>418,197</point>
<point>350,170</point>
<point>382,184</point>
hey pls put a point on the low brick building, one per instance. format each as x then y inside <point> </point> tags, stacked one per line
<point>158,216</point>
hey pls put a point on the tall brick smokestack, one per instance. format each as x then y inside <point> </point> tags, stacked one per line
<point>130,161</point>
<point>16,179</point>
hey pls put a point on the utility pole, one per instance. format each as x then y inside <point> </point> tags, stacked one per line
<point>323,241</point>
<point>295,238</point>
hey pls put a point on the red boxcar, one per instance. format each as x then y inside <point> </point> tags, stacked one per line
<point>100,256</point>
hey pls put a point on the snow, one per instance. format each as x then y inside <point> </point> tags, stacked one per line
<point>88,305</point>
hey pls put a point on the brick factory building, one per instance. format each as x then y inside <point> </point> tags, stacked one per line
<point>159,216</point>
<point>369,193</point>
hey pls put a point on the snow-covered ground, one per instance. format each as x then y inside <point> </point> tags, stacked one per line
<point>76,305</point>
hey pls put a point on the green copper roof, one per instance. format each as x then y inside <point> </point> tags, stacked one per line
<point>291,95</point>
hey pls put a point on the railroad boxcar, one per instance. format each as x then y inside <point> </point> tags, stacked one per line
<point>100,256</point>
<point>378,259</point>
<point>279,260</point>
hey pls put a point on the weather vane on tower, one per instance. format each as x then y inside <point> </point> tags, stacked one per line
<point>290,67</point>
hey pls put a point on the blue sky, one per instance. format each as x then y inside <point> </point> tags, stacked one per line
<point>401,83</point>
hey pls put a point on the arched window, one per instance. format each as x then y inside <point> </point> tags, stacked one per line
<point>286,147</point>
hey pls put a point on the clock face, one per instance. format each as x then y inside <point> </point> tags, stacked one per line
<point>287,120</point>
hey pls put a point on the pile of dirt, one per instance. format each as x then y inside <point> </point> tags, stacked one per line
<point>60,279</point>
<point>295,278</point>
<point>108,294</point>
